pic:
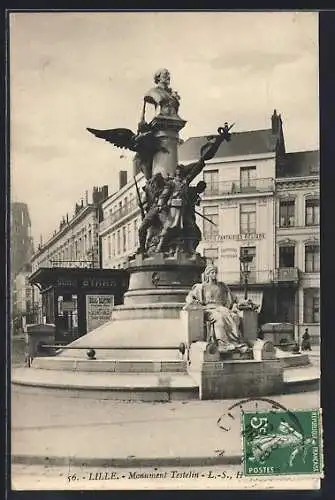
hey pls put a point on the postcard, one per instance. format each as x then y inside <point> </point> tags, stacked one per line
<point>165,250</point>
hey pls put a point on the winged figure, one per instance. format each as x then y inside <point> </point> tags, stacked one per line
<point>144,144</point>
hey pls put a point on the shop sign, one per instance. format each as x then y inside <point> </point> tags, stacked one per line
<point>98,310</point>
<point>236,237</point>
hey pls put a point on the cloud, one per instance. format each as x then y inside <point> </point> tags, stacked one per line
<point>253,60</point>
<point>70,71</point>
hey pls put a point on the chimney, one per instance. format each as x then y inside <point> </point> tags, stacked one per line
<point>122,178</point>
<point>275,122</point>
<point>95,195</point>
<point>104,192</point>
<point>86,197</point>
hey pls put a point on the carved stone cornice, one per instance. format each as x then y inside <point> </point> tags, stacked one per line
<point>287,242</point>
<point>297,183</point>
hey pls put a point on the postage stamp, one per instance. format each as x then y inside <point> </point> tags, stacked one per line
<point>278,442</point>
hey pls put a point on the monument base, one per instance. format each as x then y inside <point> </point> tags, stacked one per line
<point>152,349</point>
<point>159,278</point>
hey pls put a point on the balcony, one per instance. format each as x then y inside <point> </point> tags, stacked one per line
<point>287,275</point>
<point>236,187</point>
<point>79,264</point>
<point>255,277</point>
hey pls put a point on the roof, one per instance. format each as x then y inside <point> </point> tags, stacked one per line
<point>300,164</point>
<point>52,274</point>
<point>242,143</point>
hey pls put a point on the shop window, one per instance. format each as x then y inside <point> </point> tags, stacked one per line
<point>312,305</point>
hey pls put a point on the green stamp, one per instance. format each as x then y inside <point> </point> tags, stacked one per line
<point>278,442</point>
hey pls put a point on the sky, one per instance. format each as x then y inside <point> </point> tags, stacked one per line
<point>72,70</point>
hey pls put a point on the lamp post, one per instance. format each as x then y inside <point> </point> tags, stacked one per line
<point>245,261</point>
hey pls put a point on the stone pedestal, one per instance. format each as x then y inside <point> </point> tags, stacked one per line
<point>158,278</point>
<point>167,129</point>
<point>193,323</point>
<point>263,350</point>
<point>250,325</point>
<point>239,379</point>
<point>36,335</point>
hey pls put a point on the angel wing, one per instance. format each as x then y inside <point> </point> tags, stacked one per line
<point>120,137</point>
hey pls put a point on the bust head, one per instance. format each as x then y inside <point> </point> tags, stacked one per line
<point>210,273</point>
<point>162,78</point>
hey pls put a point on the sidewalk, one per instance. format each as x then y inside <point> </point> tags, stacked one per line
<point>57,430</point>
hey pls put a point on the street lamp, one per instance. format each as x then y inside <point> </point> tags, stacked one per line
<point>245,261</point>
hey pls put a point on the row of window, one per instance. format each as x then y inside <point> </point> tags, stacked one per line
<point>75,250</point>
<point>287,217</point>
<point>312,257</point>
<point>247,219</point>
<point>248,216</point>
<point>312,264</point>
<point>247,178</point>
<point>286,257</point>
<point>212,256</point>
<point>123,240</point>
<point>129,202</point>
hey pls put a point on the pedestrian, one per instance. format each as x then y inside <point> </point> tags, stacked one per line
<point>306,341</point>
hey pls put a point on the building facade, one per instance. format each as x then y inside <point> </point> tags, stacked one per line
<point>66,271</point>
<point>121,220</point>
<point>240,200</point>
<point>251,183</point>
<point>298,241</point>
<point>21,252</point>
<point>24,308</point>
<point>21,239</point>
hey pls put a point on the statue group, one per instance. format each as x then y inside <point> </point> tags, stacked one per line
<point>168,201</point>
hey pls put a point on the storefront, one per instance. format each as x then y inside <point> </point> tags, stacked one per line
<point>78,300</point>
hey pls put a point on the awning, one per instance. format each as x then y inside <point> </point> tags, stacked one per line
<point>256,297</point>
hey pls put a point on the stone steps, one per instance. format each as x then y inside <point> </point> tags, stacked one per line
<point>110,365</point>
<point>165,386</point>
<point>137,386</point>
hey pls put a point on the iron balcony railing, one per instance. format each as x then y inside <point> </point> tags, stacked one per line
<point>279,275</point>
<point>238,187</point>
<point>74,263</point>
<point>236,277</point>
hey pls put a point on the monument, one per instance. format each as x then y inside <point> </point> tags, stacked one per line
<point>166,264</point>
<point>177,335</point>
